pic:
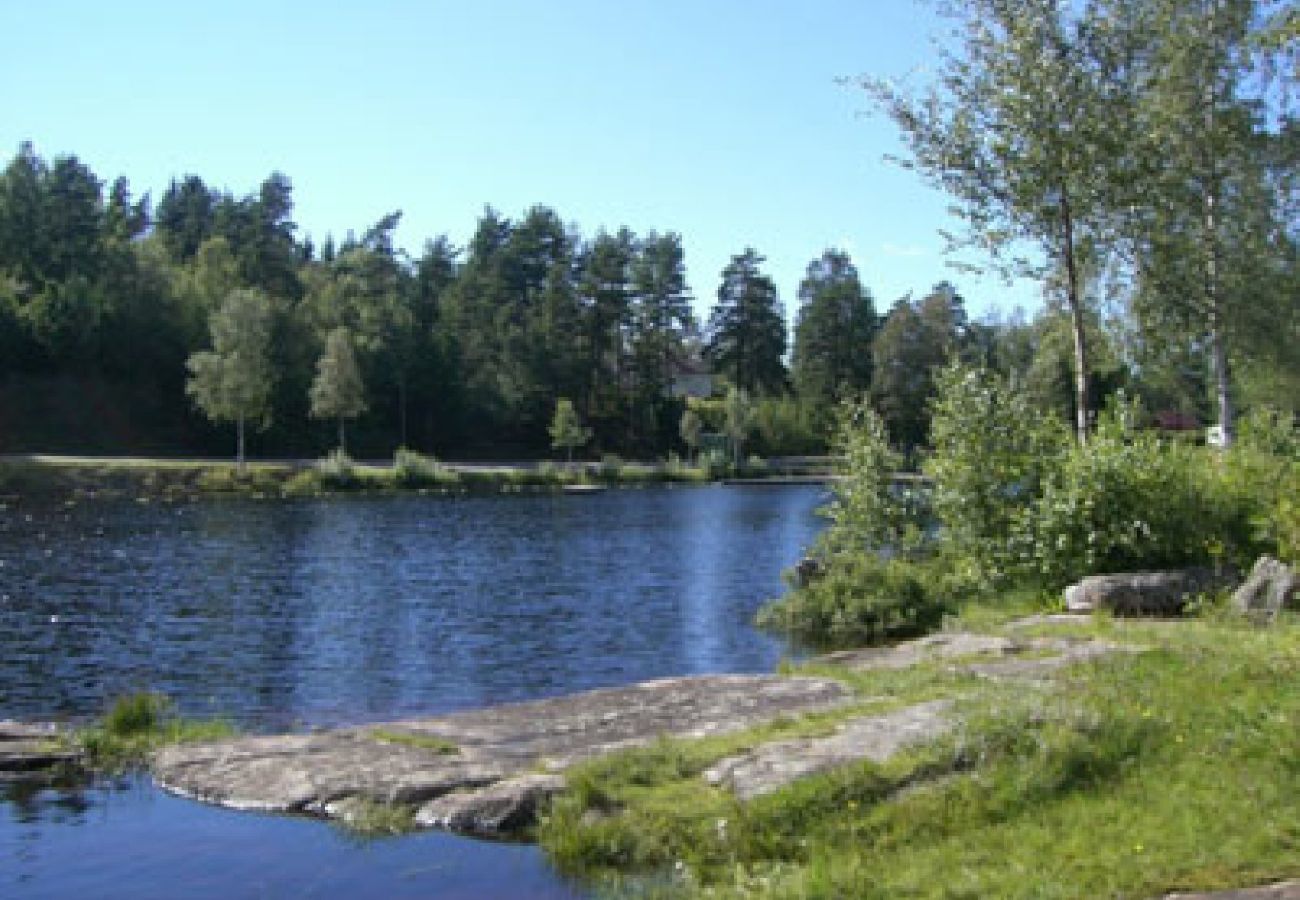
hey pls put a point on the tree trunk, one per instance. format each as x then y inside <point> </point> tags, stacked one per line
<point>239,447</point>
<point>1075,302</point>
<point>1222,390</point>
<point>343,445</point>
<point>1218,354</point>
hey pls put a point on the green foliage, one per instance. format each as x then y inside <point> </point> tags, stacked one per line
<point>136,714</point>
<point>867,515</point>
<point>567,431</point>
<point>740,414</point>
<point>337,471</point>
<point>833,331</point>
<point>411,469</point>
<point>859,600</point>
<point>1264,464</point>
<point>746,329</point>
<point>1130,501</point>
<point>337,391</point>
<point>788,426</point>
<point>136,724</point>
<point>690,429</point>
<point>992,452</point>
<point>233,381</point>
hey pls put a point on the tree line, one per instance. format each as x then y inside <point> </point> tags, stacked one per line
<point>172,321</point>
<point>1146,148</point>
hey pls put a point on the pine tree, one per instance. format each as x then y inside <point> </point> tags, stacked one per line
<point>746,330</point>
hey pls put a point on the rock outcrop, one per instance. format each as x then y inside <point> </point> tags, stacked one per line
<point>773,766</point>
<point>484,785</point>
<point>992,656</point>
<point>1271,587</point>
<point>29,750</point>
<point>1143,593</point>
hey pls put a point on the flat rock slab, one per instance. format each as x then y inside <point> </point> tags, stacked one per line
<point>408,762</point>
<point>506,806</point>
<point>993,656</point>
<point>773,766</point>
<point>32,749</point>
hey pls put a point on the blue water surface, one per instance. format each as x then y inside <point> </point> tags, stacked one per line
<point>297,614</point>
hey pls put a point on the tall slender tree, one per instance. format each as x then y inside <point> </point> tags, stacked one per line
<point>1025,128</point>
<point>338,392</point>
<point>232,382</point>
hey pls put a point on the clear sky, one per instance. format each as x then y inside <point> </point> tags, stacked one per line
<point>719,119</point>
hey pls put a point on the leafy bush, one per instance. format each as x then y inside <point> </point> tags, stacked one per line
<point>304,483</point>
<point>137,714</point>
<point>411,469</point>
<point>859,599</point>
<point>337,471</point>
<point>868,514</point>
<point>993,451</point>
<point>1264,464</point>
<point>1131,501</point>
<point>787,427</point>
<point>715,463</point>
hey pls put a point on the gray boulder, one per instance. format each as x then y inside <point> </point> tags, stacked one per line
<point>1271,587</point>
<point>1143,593</point>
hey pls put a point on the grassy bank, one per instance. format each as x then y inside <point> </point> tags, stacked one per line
<point>177,479</point>
<point>1175,768</point>
<point>136,725</point>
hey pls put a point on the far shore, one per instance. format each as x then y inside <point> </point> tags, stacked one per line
<point>150,477</point>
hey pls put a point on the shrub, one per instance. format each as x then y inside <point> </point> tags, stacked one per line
<point>304,483</point>
<point>337,471</point>
<point>859,599</point>
<point>992,453</point>
<point>715,463</point>
<point>867,514</point>
<point>1265,464</point>
<point>411,469</point>
<point>1130,501</point>
<point>136,724</point>
<point>137,714</point>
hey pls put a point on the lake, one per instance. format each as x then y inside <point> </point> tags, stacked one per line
<point>287,615</point>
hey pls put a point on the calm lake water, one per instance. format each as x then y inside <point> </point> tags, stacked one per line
<point>288,615</point>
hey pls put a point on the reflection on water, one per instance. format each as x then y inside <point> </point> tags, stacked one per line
<point>128,840</point>
<point>326,612</point>
<point>359,609</point>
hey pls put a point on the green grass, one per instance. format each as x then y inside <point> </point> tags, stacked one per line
<point>369,819</point>
<point>148,479</point>
<point>410,739</point>
<point>136,725</point>
<point>1177,768</point>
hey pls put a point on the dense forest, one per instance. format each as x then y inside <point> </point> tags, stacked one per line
<point>1144,154</point>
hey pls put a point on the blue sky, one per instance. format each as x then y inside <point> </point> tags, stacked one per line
<point>720,120</point>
